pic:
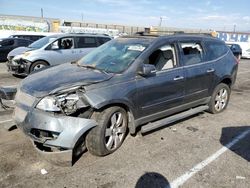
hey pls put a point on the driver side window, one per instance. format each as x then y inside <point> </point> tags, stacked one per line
<point>163,58</point>
<point>64,43</point>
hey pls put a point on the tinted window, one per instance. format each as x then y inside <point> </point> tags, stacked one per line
<point>192,52</point>
<point>85,42</point>
<point>7,42</point>
<point>23,42</point>
<point>102,40</point>
<point>215,50</point>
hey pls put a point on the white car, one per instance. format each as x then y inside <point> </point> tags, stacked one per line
<point>246,53</point>
<point>53,50</point>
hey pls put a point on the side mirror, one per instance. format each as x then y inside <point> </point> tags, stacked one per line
<point>147,70</point>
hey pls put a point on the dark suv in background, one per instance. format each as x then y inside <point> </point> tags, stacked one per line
<point>8,44</point>
<point>128,83</point>
<point>236,49</point>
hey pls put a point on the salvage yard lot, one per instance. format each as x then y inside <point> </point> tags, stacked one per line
<point>161,156</point>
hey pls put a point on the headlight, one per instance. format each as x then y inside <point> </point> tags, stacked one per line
<point>67,103</point>
<point>26,54</point>
<point>48,104</point>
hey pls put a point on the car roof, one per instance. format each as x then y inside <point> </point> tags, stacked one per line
<point>10,38</point>
<point>175,36</point>
<point>79,34</point>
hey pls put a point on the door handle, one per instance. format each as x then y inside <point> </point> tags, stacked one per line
<point>178,78</point>
<point>210,70</point>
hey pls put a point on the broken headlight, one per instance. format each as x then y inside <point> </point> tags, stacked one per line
<point>48,104</point>
<point>66,103</point>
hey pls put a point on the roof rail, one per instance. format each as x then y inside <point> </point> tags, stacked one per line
<point>162,33</point>
<point>103,34</point>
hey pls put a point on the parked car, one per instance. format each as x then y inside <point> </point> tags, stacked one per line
<point>236,49</point>
<point>32,37</point>
<point>246,54</point>
<point>52,50</point>
<point>8,44</point>
<point>128,83</point>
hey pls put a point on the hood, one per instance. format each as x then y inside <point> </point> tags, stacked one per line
<point>64,76</point>
<point>18,51</point>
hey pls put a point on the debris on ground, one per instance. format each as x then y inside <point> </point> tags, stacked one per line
<point>43,171</point>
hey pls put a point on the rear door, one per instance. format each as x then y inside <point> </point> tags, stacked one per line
<point>198,72</point>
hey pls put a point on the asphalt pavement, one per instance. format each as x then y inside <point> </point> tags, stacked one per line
<point>204,150</point>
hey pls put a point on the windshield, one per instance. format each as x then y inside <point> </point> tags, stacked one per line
<point>41,42</point>
<point>114,56</point>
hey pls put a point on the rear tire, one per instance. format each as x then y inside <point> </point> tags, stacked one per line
<point>110,132</point>
<point>219,99</point>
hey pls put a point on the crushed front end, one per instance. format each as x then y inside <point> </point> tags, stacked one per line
<point>53,122</point>
<point>18,66</point>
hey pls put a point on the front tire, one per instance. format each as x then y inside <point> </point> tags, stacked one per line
<point>219,99</point>
<point>110,132</point>
<point>38,65</point>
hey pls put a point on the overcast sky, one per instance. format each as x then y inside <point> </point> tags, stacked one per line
<point>200,14</point>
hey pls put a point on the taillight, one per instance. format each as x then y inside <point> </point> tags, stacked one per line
<point>237,60</point>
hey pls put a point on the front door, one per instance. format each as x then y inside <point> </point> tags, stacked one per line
<point>163,90</point>
<point>62,51</point>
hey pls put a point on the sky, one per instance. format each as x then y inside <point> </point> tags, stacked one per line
<point>197,14</point>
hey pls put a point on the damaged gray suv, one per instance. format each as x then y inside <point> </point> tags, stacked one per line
<point>127,83</point>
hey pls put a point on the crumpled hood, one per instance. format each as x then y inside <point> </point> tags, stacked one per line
<point>18,51</point>
<point>42,83</point>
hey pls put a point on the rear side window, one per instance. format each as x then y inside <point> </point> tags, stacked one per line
<point>23,42</point>
<point>7,42</point>
<point>85,42</point>
<point>192,52</point>
<point>215,50</point>
<point>102,40</point>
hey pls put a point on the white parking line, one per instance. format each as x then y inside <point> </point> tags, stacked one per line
<point>182,179</point>
<point>6,121</point>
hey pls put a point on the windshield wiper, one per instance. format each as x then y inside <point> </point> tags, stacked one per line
<point>88,66</point>
<point>92,67</point>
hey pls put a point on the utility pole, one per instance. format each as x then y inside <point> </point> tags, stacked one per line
<point>160,21</point>
<point>42,13</point>
<point>82,17</point>
<point>234,28</point>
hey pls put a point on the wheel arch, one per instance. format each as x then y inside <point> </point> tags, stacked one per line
<point>227,81</point>
<point>31,63</point>
<point>129,109</point>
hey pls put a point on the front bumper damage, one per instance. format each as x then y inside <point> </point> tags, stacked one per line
<point>53,135</point>
<point>18,66</point>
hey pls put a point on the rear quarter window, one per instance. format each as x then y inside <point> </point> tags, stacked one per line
<point>215,50</point>
<point>102,40</point>
<point>8,42</point>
